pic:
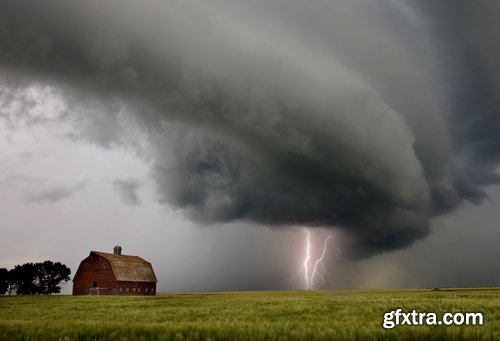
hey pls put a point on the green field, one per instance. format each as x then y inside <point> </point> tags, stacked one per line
<point>267,315</point>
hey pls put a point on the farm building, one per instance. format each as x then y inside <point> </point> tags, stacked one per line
<point>104,273</point>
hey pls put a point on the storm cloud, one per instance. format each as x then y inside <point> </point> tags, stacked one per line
<point>55,193</point>
<point>370,116</point>
<point>127,188</point>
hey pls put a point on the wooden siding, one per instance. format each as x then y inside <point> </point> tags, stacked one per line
<point>94,270</point>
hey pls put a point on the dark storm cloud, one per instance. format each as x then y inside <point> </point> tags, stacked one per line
<point>466,37</point>
<point>323,113</point>
<point>127,188</point>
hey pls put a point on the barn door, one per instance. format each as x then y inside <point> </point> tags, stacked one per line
<point>94,289</point>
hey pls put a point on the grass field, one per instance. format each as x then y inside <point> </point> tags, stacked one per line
<point>268,315</point>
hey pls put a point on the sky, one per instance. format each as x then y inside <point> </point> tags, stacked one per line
<point>210,137</point>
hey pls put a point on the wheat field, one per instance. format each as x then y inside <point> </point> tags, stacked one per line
<point>266,315</point>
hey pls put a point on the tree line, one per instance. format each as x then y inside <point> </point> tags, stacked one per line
<point>34,278</point>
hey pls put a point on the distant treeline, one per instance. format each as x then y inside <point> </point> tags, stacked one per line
<point>34,278</point>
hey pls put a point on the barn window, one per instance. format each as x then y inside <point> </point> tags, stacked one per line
<point>152,289</point>
<point>138,289</point>
<point>94,284</point>
<point>120,289</point>
<point>127,289</point>
<point>133,289</point>
<point>146,290</point>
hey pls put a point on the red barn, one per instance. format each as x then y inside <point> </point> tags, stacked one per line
<point>104,273</point>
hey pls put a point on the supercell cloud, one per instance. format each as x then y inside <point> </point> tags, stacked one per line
<point>371,116</point>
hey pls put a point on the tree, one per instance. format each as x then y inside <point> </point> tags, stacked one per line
<point>4,281</point>
<point>50,275</point>
<point>24,278</point>
<point>39,278</point>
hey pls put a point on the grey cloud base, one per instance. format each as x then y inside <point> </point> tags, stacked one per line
<point>341,115</point>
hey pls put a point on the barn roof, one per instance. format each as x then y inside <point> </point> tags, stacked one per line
<point>129,268</point>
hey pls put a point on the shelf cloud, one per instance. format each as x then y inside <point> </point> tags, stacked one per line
<point>369,116</point>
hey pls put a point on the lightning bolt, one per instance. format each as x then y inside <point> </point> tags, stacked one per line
<point>311,270</point>
<point>308,257</point>
<point>320,261</point>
